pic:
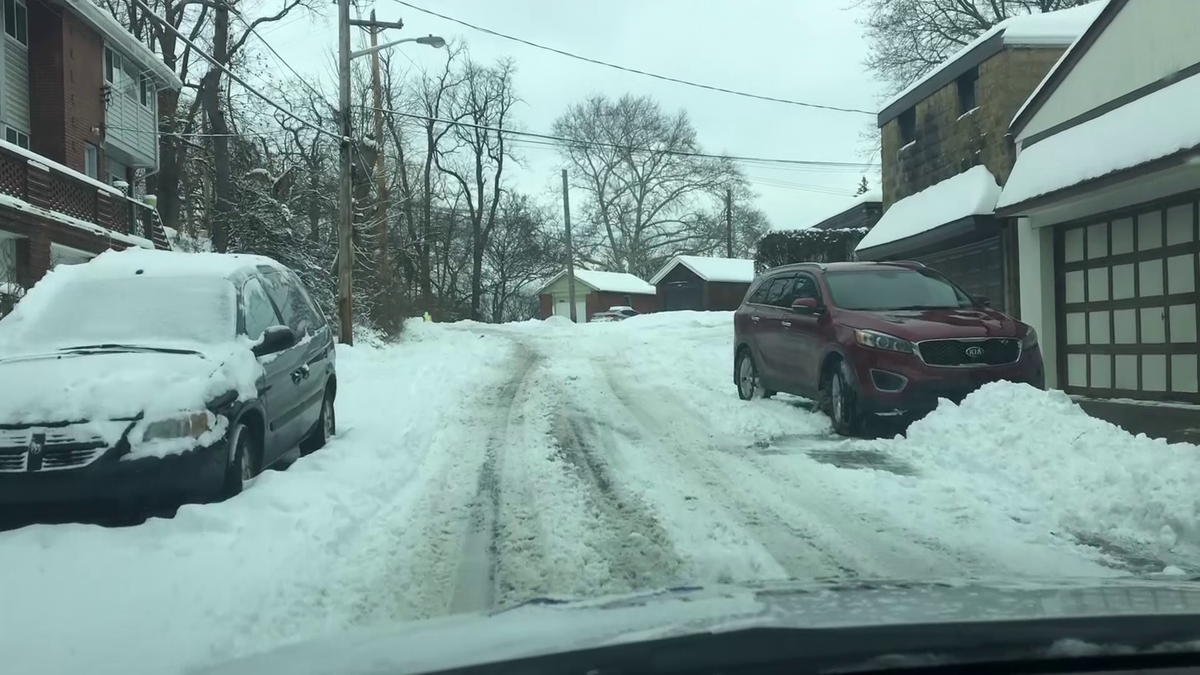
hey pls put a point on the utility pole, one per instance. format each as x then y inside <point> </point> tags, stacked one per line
<point>570,251</point>
<point>381,187</point>
<point>728,222</point>
<point>345,208</point>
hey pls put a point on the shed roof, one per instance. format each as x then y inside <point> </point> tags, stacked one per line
<point>971,193</point>
<point>721,270</point>
<point>610,282</point>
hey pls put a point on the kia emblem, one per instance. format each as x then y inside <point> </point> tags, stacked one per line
<point>35,447</point>
<point>974,352</point>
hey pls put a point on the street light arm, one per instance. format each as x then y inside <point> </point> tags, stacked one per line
<point>431,40</point>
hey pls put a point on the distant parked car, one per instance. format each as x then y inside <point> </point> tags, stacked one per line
<point>618,313</point>
<point>867,339</point>
<point>150,374</point>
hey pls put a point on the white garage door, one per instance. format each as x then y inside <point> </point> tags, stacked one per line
<point>562,307</point>
<point>1127,304</point>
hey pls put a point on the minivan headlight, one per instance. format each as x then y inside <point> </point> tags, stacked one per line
<point>190,425</point>
<point>877,340</point>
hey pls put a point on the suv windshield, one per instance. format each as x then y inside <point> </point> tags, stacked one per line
<point>892,289</point>
<point>128,310</point>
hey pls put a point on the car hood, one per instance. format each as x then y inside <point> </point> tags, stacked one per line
<point>925,324</point>
<point>72,386</point>
<point>548,626</point>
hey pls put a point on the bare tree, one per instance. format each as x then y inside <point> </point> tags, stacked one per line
<point>483,101</point>
<point>523,250</point>
<point>908,38</point>
<point>644,182</point>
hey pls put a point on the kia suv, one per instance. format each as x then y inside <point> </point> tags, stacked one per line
<point>866,339</point>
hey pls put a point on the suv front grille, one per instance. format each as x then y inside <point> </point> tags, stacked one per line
<point>58,448</point>
<point>986,352</point>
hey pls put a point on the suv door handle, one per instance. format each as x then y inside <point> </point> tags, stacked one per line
<point>754,319</point>
<point>786,323</point>
<point>300,373</point>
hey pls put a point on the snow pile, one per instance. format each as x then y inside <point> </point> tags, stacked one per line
<point>721,270</point>
<point>1150,128</point>
<point>971,193</point>
<point>1039,29</point>
<point>1037,456</point>
<point>871,195</point>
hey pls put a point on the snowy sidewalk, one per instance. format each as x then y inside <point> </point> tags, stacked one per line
<point>480,466</point>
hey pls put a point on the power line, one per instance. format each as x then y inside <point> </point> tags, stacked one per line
<point>223,69</point>
<point>624,148</point>
<point>633,70</point>
<point>320,96</point>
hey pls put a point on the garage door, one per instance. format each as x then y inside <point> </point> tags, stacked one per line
<point>978,268</point>
<point>1127,305</point>
<point>686,294</point>
<point>562,307</point>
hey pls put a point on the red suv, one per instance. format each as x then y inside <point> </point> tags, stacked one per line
<point>865,338</point>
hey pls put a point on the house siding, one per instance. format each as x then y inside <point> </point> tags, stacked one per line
<point>947,143</point>
<point>1162,35</point>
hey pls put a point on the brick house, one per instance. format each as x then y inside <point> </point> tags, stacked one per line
<point>946,152</point>
<point>78,117</point>
<point>595,292</point>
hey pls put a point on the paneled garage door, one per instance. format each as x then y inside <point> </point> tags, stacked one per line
<point>1127,304</point>
<point>978,268</point>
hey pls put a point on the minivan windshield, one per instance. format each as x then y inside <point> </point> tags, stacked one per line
<point>134,310</point>
<point>894,289</point>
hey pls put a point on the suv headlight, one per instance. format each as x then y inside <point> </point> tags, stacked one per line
<point>877,340</point>
<point>191,425</point>
<point>1029,339</point>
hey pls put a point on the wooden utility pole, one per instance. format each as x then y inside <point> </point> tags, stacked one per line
<point>345,208</point>
<point>728,222</point>
<point>570,251</point>
<point>381,183</point>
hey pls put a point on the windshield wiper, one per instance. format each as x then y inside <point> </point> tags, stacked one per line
<point>129,348</point>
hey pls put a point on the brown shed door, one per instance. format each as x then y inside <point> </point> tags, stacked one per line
<point>978,268</point>
<point>1126,300</point>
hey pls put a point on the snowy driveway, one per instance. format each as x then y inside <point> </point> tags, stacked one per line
<point>478,466</point>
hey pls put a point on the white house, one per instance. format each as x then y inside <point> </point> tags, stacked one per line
<point>1106,187</point>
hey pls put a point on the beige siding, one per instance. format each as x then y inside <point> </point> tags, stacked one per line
<point>16,85</point>
<point>131,126</point>
<point>1147,41</point>
<point>560,288</point>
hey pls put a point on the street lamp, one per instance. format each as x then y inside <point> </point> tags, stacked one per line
<point>431,40</point>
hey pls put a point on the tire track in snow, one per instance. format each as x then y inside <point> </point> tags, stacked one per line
<point>475,585</point>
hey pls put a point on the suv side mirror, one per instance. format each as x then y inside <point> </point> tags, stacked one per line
<point>274,340</point>
<point>984,300</point>
<point>804,305</point>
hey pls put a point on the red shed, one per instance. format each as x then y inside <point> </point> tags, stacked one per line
<point>595,292</point>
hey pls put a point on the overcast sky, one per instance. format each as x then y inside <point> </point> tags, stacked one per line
<point>804,50</point>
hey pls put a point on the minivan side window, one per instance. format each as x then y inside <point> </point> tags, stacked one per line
<point>257,311</point>
<point>318,318</point>
<point>291,303</point>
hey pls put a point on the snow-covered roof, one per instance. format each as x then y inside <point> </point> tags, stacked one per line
<point>153,263</point>
<point>126,43</point>
<point>1043,29</point>
<point>971,193</point>
<point>871,195</point>
<point>729,270</point>
<point>1149,128</point>
<point>610,282</point>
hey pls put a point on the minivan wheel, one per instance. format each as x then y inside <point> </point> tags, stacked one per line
<point>748,383</point>
<point>244,463</point>
<point>844,410</point>
<point>326,426</point>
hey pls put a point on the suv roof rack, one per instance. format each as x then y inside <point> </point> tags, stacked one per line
<point>898,263</point>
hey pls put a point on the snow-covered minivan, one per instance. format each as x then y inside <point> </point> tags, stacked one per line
<point>154,374</point>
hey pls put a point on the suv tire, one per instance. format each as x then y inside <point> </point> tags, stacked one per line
<point>842,402</point>
<point>749,385</point>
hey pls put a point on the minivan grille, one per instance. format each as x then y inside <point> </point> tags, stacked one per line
<point>987,352</point>
<point>60,448</point>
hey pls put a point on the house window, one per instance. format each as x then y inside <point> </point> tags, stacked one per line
<point>16,137</point>
<point>908,126</point>
<point>91,160</point>
<point>112,65</point>
<point>16,23</point>
<point>966,91</point>
<point>145,90</point>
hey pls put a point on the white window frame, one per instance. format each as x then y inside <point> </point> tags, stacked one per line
<point>91,161</point>
<point>24,18</point>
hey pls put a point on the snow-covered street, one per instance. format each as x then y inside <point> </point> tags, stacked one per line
<point>479,466</point>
